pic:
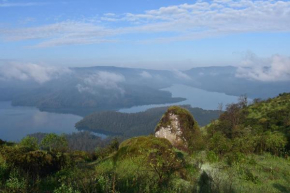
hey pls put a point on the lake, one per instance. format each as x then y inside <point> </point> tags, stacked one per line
<point>195,97</point>
<point>17,122</point>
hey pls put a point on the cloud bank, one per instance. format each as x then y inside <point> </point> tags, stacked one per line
<point>101,79</point>
<point>30,72</point>
<point>180,22</point>
<point>145,74</point>
<point>181,75</point>
<point>276,68</point>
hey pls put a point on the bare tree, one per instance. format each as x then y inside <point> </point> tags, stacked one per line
<point>220,108</point>
<point>243,101</point>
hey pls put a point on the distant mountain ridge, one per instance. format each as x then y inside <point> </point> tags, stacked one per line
<point>224,79</point>
<point>100,88</point>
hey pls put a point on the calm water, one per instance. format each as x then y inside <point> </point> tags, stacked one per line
<point>17,122</point>
<point>195,97</point>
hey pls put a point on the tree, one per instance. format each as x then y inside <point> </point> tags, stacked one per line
<point>53,142</point>
<point>243,101</point>
<point>30,143</point>
<point>220,108</point>
<point>229,120</point>
<point>273,142</point>
<point>220,144</point>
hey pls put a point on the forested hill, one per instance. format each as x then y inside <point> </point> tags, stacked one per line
<point>262,126</point>
<point>135,124</point>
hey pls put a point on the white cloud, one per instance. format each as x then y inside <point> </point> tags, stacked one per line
<point>110,14</point>
<point>181,75</point>
<point>30,71</point>
<point>145,74</point>
<point>27,4</point>
<point>276,68</point>
<point>101,79</point>
<point>71,41</point>
<point>187,22</point>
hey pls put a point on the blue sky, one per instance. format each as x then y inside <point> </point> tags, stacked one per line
<point>159,34</point>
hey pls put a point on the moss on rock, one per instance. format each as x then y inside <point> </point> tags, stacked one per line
<point>139,145</point>
<point>179,127</point>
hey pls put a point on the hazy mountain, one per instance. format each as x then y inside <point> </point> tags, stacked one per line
<point>85,90</point>
<point>226,79</point>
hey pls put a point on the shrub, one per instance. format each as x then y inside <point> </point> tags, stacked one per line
<point>212,156</point>
<point>16,183</point>
<point>4,170</point>
<point>65,189</point>
<point>35,163</point>
<point>235,158</point>
<point>219,144</point>
<point>273,142</point>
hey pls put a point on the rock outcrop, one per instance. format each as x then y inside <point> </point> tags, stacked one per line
<point>177,126</point>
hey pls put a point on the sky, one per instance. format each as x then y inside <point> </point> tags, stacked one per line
<point>155,34</point>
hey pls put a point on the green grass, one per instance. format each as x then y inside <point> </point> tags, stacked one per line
<point>257,173</point>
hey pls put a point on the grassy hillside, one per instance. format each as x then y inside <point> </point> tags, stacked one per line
<point>245,150</point>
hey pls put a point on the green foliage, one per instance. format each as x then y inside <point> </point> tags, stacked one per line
<point>16,183</point>
<point>30,143</point>
<point>53,142</point>
<point>233,160</point>
<point>104,152</point>
<point>212,157</point>
<point>135,146</point>
<point>144,164</point>
<point>4,170</point>
<point>65,189</point>
<point>219,144</point>
<point>34,163</point>
<point>273,142</point>
<point>80,141</point>
<point>260,127</point>
<point>249,176</point>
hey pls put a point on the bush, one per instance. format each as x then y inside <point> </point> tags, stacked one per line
<point>273,142</point>
<point>212,157</point>
<point>34,163</point>
<point>4,170</point>
<point>219,144</point>
<point>235,158</point>
<point>16,183</point>
<point>65,189</point>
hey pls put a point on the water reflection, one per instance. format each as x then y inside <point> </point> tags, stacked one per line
<point>194,97</point>
<point>17,122</point>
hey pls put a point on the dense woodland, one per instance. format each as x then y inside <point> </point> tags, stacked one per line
<point>245,150</point>
<point>135,124</point>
